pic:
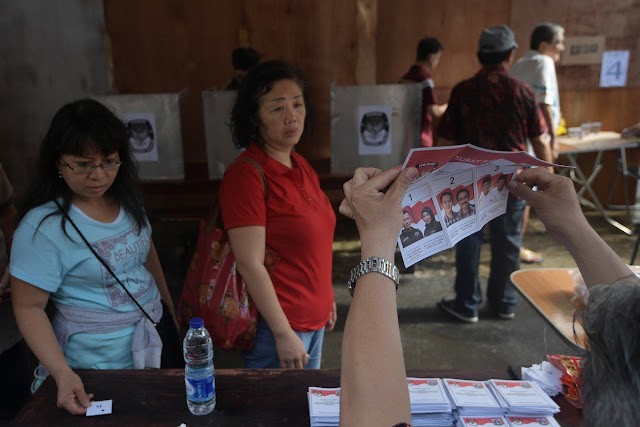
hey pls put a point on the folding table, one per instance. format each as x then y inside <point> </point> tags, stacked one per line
<point>596,143</point>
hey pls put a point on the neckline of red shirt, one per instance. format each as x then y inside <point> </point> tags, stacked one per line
<point>271,165</point>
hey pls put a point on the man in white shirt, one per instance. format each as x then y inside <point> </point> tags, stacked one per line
<point>498,192</point>
<point>537,69</point>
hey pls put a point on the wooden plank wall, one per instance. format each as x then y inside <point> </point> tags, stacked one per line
<point>171,45</point>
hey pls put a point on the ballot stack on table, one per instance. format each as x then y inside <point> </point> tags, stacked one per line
<point>436,402</point>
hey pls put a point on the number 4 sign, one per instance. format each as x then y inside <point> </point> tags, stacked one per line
<point>615,64</point>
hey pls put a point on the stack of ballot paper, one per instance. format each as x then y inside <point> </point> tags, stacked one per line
<point>473,398</point>
<point>508,421</point>
<point>481,420</point>
<point>529,421</point>
<point>547,376</point>
<point>430,405</point>
<point>324,406</point>
<point>523,398</point>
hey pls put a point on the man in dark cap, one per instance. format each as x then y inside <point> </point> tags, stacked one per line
<point>496,111</point>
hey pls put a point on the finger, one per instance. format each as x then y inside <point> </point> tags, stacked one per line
<point>401,184</point>
<point>345,209</point>
<point>283,364</point>
<point>83,398</point>
<point>362,175</point>
<point>382,180</point>
<point>536,177</point>
<point>346,189</point>
<point>523,192</point>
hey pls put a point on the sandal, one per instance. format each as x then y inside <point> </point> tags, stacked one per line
<point>530,257</point>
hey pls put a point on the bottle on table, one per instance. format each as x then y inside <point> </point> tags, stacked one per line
<point>198,371</point>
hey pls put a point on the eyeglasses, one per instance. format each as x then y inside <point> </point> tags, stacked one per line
<point>86,167</point>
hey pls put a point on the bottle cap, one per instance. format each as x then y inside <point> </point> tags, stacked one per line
<point>196,323</point>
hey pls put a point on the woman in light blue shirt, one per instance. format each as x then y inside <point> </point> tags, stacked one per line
<point>86,170</point>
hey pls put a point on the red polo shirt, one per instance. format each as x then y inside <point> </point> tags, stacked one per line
<point>299,223</point>
<point>418,74</point>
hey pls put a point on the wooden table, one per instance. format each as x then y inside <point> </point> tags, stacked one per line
<point>244,397</point>
<point>550,292</point>
<point>596,143</point>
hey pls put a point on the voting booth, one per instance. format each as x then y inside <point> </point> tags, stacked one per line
<point>217,106</point>
<point>155,131</point>
<point>374,126</point>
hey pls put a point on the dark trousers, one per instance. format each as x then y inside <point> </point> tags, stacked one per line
<point>505,259</point>
<point>15,379</point>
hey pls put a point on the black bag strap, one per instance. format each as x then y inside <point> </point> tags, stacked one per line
<point>68,218</point>
<point>214,218</point>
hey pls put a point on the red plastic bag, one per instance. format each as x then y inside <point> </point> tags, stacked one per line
<point>214,291</point>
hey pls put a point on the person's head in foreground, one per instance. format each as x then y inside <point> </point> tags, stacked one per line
<point>406,220</point>
<point>486,185</point>
<point>85,156</point>
<point>428,52</point>
<point>427,215</point>
<point>271,108</point>
<point>548,39</point>
<point>611,367</point>
<point>446,200</point>
<point>463,200</point>
<point>502,181</point>
<point>496,46</point>
<point>243,59</point>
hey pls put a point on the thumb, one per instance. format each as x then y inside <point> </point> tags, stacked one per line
<point>82,396</point>
<point>399,187</point>
<point>523,192</point>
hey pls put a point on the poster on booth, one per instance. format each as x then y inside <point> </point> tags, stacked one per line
<point>457,191</point>
<point>142,136</point>
<point>374,124</point>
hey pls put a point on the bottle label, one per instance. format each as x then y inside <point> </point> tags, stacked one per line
<point>200,390</point>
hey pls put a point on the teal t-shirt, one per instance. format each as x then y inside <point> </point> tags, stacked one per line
<point>45,257</point>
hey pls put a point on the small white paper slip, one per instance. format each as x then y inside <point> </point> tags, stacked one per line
<point>101,407</point>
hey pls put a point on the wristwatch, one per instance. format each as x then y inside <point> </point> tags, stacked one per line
<point>376,265</point>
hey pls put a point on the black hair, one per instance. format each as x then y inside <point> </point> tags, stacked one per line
<point>444,194</point>
<point>427,46</point>
<point>244,58</point>
<point>428,210</point>
<point>611,322</point>
<point>494,58</point>
<point>404,211</point>
<point>244,122</point>
<point>461,191</point>
<point>544,32</point>
<point>80,128</point>
<point>486,179</point>
<point>502,177</point>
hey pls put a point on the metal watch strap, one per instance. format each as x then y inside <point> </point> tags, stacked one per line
<point>373,264</point>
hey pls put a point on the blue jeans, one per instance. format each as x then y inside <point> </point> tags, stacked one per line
<point>264,355</point>
<point>505,259</point>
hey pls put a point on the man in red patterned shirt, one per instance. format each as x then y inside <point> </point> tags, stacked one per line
<point>427,59</point>
<point>496,111</point>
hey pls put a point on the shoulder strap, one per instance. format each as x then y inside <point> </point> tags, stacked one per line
<point>215,218</point>
<point>86,242</point>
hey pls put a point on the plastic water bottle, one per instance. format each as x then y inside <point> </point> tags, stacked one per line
<point>198,371</point>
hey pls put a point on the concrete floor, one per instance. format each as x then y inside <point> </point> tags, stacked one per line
<point>431,339</point>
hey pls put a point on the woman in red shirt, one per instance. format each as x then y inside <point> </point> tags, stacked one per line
<point>281,235</point>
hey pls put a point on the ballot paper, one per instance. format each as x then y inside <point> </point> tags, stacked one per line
<point>523,397</point>
<point>529,421</point>
<point>430,404</point>
<point>458,190</point>
<point>324,406</point>
<point>547,376</point>
<point>473,397</point>
<point>479,420</point>
<point>100,407</point>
